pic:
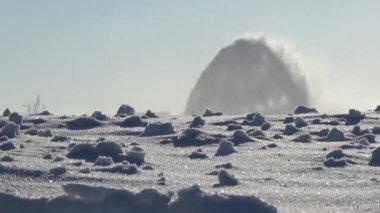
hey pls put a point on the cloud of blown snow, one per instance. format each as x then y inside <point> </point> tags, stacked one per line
<point>254,73</point>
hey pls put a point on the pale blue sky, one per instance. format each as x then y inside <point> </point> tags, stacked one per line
<point>87,55</point>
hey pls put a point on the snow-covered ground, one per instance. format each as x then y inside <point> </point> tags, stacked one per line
<point>287,170</point>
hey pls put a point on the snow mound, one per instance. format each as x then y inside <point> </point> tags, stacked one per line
<point>103,161</point>
<point>375,158</point>
<point>125,110</point>
<point>58,170</point>
<point>377,109</point>
<point>225,148</point>
<point>11,130</point>
<point>209,113</point>
<point>232,127</point>
<point>60,138</point>
<point>109,149</point>
<point>358,131</point>
<point>376,130</point>
<point>199,154</point>
<point>98,115</point>
<point>83,123</point>
<point>44,133</point>
<point>240,136</point>
<point>332,162</point>
<point>133,121</point>
<point>304,109</point>
<point>150,114</point>
<point>300,122</point>
<point>157,129</point>
<point>84,151</point>
<point>370,137</point>
<point>3,123</point>
<point>303,138</point>
<point>363,142</point>
<point>16,118</point>
<point>290,129</point>
<point>4,138</point>
<point>136,155</point>
<point>354,117</point>
<point>336,135</point>
<point>336,154</point>
<point>197,122</point>
<point>6,112</point>
<point>6,158</point>
<point>288,120</point>
<point>194,137</point>
<point>226,179</point>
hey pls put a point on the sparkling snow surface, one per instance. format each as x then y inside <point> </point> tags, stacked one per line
<point>290,176</point>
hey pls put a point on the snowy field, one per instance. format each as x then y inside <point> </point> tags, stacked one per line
<point>307,162</point>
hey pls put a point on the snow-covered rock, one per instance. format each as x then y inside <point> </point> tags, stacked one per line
<point>44,133</point>
<point>208,113</point>
<point>290,129</point>
<point>199,154</point>
<point>6,112</point>
<point>83,123</point>
<point>84,151</point>
<point>11,130</point>
<point>336,135</point>
<point>133,121</point>
<point>370,137</point>
<point>58,170</point>
<point>109,149</point>
<point>303,138</point>
<point>240,136</point>
<point>336,154</point>
<point>375,159</point>
<point>98,115</point>
<point>227,179</point>
<point>197,122</point>
<point>300,122</point>
<point>354,117</point>
<point>16,118</point>
<point>304,109</point>
<point>194,137</point>
<point>332,162</point>
<point>225,148</point>
<point>136,156</point>
<point>125,110</point>
<point>156,129</point>
<point>103,161</point>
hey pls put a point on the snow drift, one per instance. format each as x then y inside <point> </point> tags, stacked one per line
<point>83,198</point>
<point>247,76</point>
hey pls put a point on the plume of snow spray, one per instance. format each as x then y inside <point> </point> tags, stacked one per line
<point>252,74</point>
